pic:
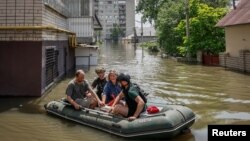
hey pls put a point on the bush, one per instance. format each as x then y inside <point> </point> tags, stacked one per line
<point>151,46</point>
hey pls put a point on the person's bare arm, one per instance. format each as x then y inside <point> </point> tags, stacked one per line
<point>140,106</point>
<point>72,102</point>
<point>95,95</point>
<point>118,98</point>
<point>104,98</point>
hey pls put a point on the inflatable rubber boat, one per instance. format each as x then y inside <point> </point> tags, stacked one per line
<point>171,120</point>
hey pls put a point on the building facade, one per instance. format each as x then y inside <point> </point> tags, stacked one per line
<point>237,37</point>
<point>34,45</point>
<point>82,19</point>
<point>113,13</point>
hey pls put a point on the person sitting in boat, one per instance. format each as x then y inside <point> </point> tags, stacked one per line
<point>111,89</point>
<point>80,94</point>
<point>135,102</point>
<point>100,82</point>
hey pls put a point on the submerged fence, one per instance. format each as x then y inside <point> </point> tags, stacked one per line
<point>241,63</point>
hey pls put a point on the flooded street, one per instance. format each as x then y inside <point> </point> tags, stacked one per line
<point>217,96</point>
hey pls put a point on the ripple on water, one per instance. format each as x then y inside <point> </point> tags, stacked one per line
<point>236,100</point>
<point>232,115</point>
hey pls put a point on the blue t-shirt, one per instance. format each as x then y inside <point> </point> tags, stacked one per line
<point>111,90</point>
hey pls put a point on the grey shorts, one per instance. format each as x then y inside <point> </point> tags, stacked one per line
<point>84,102</point>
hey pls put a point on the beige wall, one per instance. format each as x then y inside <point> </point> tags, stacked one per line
<point>237,38</point>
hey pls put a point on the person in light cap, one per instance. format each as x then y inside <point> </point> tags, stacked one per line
<point>100,82</point>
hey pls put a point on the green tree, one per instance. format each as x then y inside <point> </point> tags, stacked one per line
<point>149,8</point>
<point>169,16</point>
<point>203,33</point>
<point>217,3</point>
<point>116,32</point>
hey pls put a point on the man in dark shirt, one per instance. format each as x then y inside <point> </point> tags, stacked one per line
<point>80,94</point>
<point>135,103</point>
<point>99,82</point>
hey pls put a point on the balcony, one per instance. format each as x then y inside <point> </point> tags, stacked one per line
<point>57,6</point>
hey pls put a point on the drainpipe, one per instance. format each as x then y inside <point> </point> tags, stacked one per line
<point>142,36</point>
<point>234,6</point>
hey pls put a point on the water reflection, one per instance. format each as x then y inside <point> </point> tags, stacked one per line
<point>215,95</point>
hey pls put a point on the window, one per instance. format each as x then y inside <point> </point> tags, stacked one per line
<point>51,71</point>
<point>85,7</point>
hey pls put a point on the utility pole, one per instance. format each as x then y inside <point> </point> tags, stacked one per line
<point>142,37</point>
<point>135,37</point>
<point>187,25</point>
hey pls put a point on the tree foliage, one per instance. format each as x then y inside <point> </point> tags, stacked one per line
<point>203,33</point>
<point>149,9</point>
<point>169,16</point>
<point>116,32</point>
<point>170,24</point>
<point>217,3</point>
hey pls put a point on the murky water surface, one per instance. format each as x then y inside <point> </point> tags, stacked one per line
<point>217,96</point>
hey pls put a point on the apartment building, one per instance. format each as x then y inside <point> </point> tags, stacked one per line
<point>115,12</point>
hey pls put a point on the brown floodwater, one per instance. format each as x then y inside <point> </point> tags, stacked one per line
<point>216,95</point>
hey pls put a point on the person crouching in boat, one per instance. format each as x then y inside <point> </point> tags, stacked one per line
<point>111,89</point>
<point>80,94</point>
<point>100,82</point>
<point>135,103</point>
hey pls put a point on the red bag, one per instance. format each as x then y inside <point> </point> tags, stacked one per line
<point>112,101</point>
<point>152,110</point>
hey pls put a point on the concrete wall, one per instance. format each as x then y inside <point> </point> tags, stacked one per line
<point>30,13</point>
<point>146,38</point>
<point>20,12</point>
<point>20,69</point>
<point>50,17</point>
<point>237,38</point>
